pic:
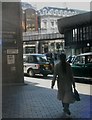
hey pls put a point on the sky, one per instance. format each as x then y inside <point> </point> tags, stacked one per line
<point>77,4</point>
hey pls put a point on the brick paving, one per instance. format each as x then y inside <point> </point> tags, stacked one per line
<point>30,101</point>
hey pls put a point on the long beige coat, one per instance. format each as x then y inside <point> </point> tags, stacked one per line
<point>64,83</point>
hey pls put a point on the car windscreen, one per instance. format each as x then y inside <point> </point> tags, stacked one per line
<point>25,58</point>
<point>41,58</point>
<point>79,60</point>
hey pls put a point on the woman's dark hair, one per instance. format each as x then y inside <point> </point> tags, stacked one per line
<point>63,62</point>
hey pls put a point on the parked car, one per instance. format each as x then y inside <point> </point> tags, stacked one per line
<point>36,64</point>
<point>82,65</point>
<point>70,59</point>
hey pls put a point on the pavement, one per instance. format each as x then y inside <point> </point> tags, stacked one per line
<point>32,101</point>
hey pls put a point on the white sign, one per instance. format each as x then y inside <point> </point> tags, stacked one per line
<point>12,51</point>
<point>10,59</point>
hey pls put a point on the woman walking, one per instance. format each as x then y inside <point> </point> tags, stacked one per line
<point>63,75</point>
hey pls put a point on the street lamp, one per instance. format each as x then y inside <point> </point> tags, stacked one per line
<point>88,45</point>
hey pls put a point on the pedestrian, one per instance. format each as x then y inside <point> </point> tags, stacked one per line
<point>63,75</point>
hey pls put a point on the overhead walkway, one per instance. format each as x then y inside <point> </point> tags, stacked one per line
<point>36,36</point>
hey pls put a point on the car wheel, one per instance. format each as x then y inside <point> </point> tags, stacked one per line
<point>31,73</point>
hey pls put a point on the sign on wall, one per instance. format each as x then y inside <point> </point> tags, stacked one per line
<point>10,59</point>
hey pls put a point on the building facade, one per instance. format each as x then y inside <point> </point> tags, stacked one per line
<point>77,33</point>
<point>49,16</point>
<point>47,24</point>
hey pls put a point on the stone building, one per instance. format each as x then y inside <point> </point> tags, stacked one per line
<point>47,24</point>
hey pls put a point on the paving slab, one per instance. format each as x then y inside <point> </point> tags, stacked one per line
<point>31,101</point>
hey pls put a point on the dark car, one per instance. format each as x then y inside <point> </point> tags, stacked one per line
<point>70,58</point>
<point>36,64</point>
<point>82,65</point>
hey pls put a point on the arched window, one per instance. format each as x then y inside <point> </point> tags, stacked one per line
<point>69,13</point>
<point>56,12</point>
<point>51,11</point>
<point>65,13</point>
<point>61,12</point>
<point>44,11</point>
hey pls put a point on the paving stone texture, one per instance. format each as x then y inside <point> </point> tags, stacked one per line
<point>31,101</point>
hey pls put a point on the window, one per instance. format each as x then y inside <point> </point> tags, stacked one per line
<point>56,12</point>
<point>33,25</point>
<point>45,24</point>
<point>45,12</point>
<point>84,36</point>
<point>87,34</point>
<point>61,12</point>
<point>89,59</point>
<point>56,23</point>
<point>90,32</point>
<point>75,34</point>
<point>41,58</point>
<point>65,13</point>
<point>69,13</point>
<point>80,60</point>
<point>30,59</point>
<point>80,34</point>
<point>33,15</point>
<point>52,24</point>
<point>51,11</point>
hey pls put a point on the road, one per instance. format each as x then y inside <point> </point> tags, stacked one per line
<point>40,81</point>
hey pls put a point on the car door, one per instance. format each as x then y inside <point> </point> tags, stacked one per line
<point>78,66</point>
<point>30,63</point>
<point>25,60</point>
<point>88,66</point>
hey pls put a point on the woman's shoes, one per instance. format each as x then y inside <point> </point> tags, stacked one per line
<point>67,111</point>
